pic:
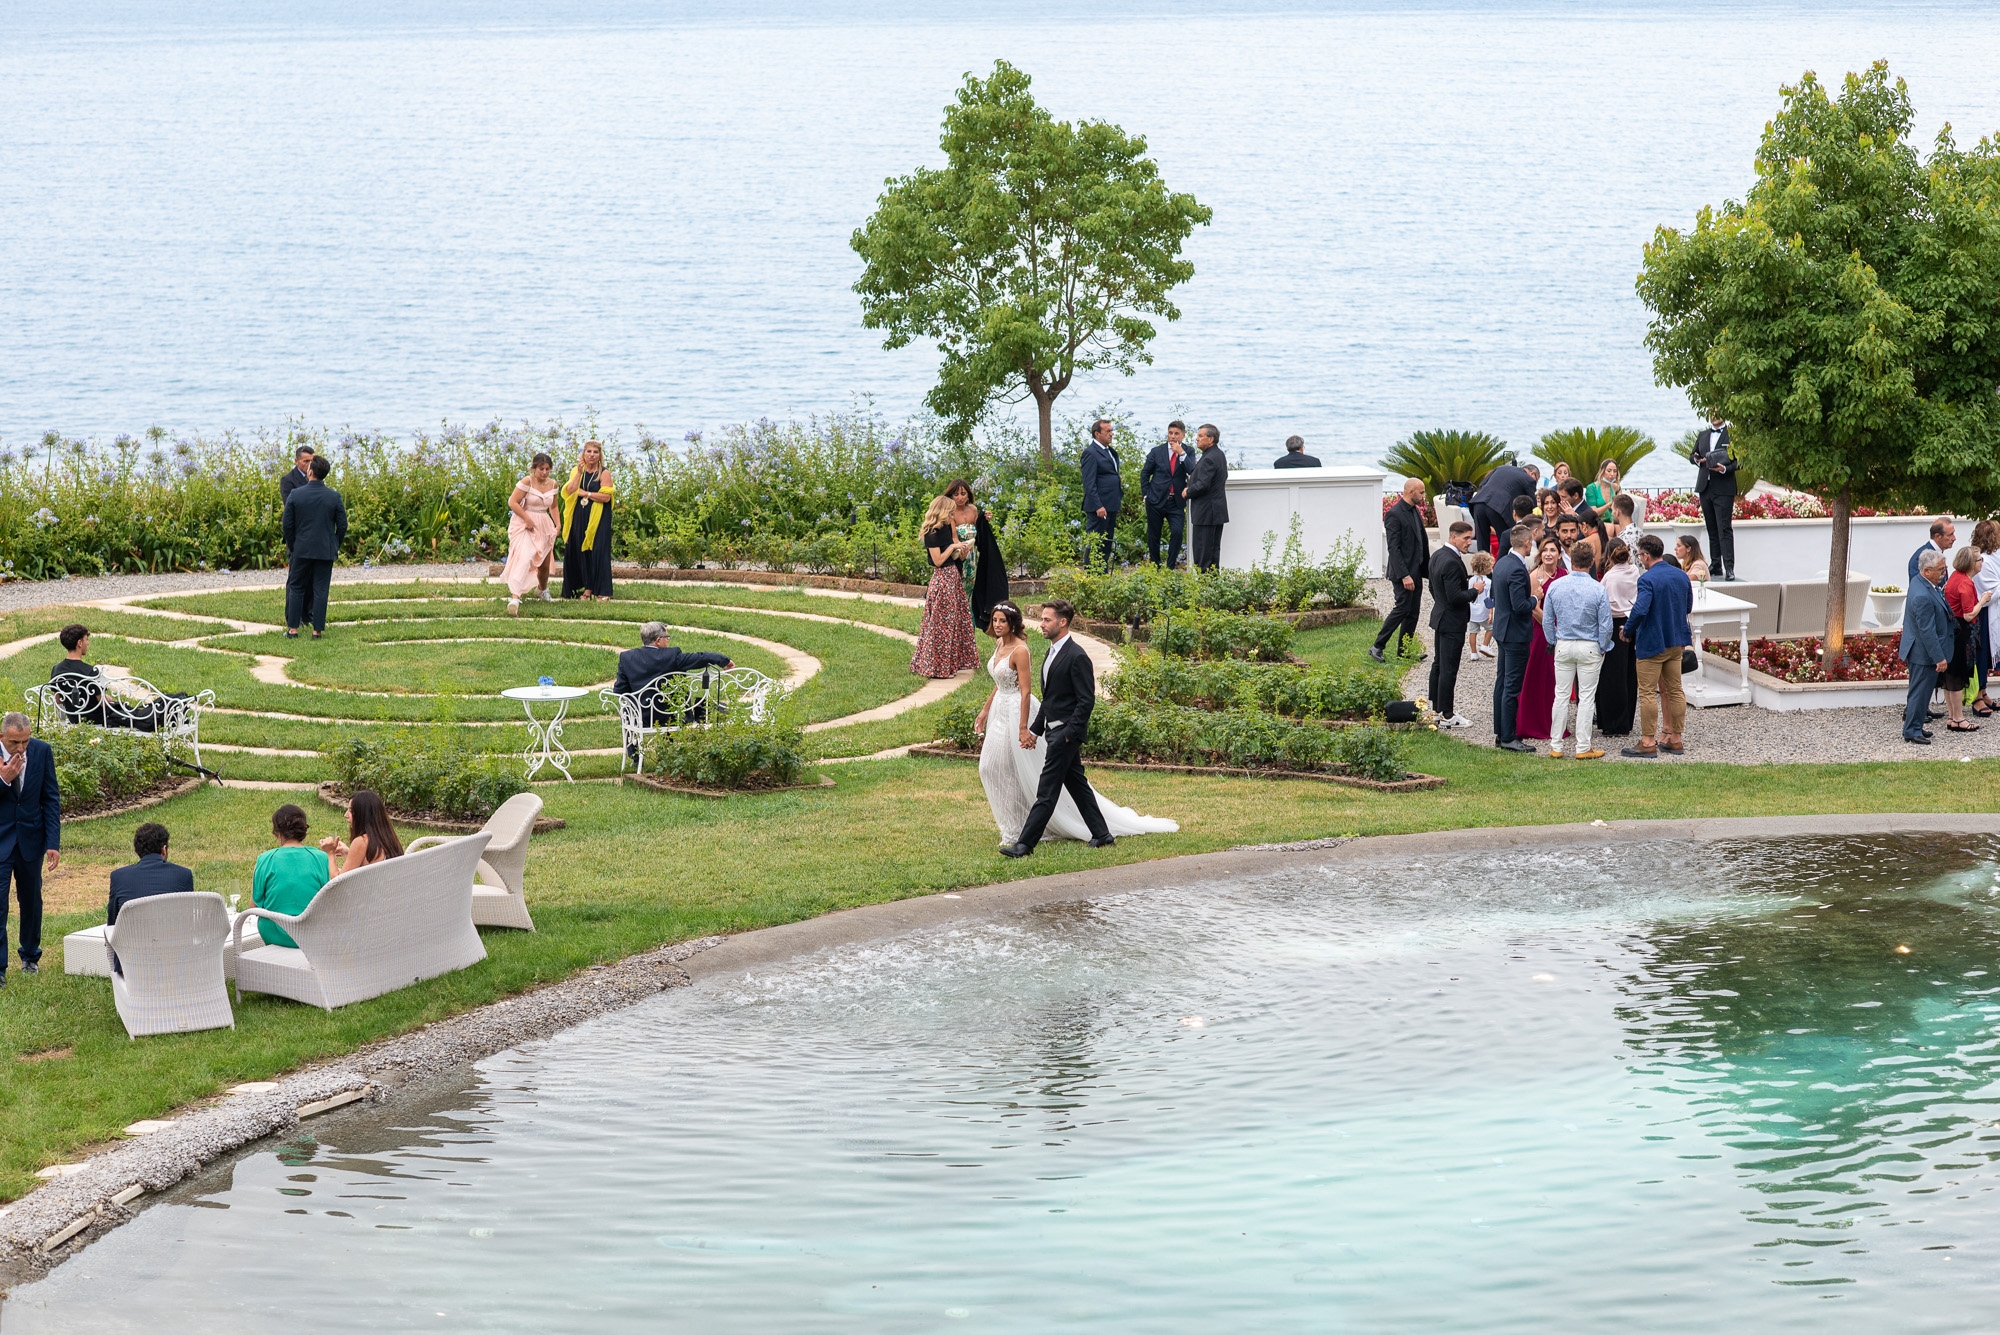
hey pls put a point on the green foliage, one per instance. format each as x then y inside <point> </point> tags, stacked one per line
<point>99,766</point>
<point>1034,254</point>
<point>1442,457</point>
<point>1585,448</point>
<point>955,724</point>
<point>1279,688</point>
<point>1146,592</point>
<point>732,752</point>
<point>1201,633</point>
<point>1178,735</point>
<point>431,770</point>
<point>1373,752</point>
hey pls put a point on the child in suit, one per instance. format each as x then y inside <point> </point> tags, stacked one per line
<point>1481,626</point>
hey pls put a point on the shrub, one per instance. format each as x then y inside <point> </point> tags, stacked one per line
<point>955,725</point>
<point>1442,458</point>
<point>733,752</point>
<point>1279,688</point>
<point>1178,735</point>
<point>1372,752</point>
<point>97,766</point>
<point>1207,635</point>
<point>1291,584</point>
<point>427,771</point>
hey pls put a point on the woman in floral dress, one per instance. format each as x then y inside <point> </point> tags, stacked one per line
<point>945,646</point>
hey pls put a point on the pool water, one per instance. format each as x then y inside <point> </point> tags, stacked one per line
<point>1656,1087</point>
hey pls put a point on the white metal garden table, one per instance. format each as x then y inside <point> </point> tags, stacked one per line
<point>545,738</point>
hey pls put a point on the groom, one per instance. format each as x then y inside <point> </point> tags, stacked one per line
<point>1069,693</point>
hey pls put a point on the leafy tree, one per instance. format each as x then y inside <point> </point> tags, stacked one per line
<point>1846,315</point>
<point>1036,252</point>
<point>1441,457</point>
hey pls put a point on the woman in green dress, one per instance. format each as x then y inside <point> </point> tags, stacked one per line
<point>586,526</point>
<point>288,876</point>
<point>1600,492</point>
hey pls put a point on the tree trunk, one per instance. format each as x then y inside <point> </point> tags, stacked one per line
<point>1834,648</point>
<point>1045,405</point>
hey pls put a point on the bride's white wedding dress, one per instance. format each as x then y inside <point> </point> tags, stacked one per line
<point>1012,773</point>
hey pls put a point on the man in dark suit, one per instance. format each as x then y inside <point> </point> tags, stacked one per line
<point>653,659</point>
<point>1069,693</point>
<point>1513,626</point>
<point>1163,482</point>
<point>315,526</point>
<point>151,875</point>
<point>1944,537</point>
<point>1926,646</point>
<point>300,474</point>
<point>1452,596</point>
<point>1295,455</point>
<point>1408,566</point>
<point>1492,505</point>
<point>1103,492</point>
<point>1715,486</point>
<point>1208,498</point>
<point>30,833</point>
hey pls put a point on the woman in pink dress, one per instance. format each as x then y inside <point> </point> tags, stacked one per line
<point>531,534</point>
<point>1538,683</point>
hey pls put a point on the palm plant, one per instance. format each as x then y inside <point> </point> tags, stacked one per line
<point>1443,457</point>
<point>1585,448</point>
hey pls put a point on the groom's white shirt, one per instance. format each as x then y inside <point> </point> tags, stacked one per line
<point>1049,658</point>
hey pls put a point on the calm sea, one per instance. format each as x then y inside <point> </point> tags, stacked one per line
<point>218,216</point>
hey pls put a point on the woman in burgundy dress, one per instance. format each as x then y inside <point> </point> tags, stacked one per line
<point>1538,683</point>
<point>945,646</point>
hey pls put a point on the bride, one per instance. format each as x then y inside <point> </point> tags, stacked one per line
<point>1011,768</point>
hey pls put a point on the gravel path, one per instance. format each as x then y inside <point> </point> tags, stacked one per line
<point>1732,734</point>
<point>25,594</point>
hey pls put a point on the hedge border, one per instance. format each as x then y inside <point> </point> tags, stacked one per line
<point>1414,784</point>
<point>1314,620</point>
<point>330,793</point>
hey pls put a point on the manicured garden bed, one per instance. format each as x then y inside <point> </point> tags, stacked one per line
<point>1870,658</point>
<point>1410,782</point>
<point>658,784</point>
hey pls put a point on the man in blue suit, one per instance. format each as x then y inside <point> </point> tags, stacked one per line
<point>151,875</point>
<point>1926,647</point>
<point>1513,627</point>
<point>1944,537</point>
<point>1103,493</point>
<point>1163,482</point>
<point>30,833</point>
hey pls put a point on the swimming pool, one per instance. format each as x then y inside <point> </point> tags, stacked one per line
<point>1656,1086</point>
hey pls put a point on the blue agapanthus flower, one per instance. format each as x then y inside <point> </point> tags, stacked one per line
<point>545,681</point>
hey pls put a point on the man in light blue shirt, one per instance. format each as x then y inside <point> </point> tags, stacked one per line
<point>1576,620</point>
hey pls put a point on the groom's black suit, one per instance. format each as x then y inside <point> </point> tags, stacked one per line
<point>1069,693</point>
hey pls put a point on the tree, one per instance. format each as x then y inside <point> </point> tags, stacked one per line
<point>1846,315</point>
<point>1035,253</point>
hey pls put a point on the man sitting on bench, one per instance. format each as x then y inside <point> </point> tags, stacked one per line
<point>654,658</point>
<point>81,693</point>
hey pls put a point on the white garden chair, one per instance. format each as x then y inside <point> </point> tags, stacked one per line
<point>687,699</point>
<point>169,950</point>
<point>121,702</point>
<point>496,889</point>
<point>371,930</point>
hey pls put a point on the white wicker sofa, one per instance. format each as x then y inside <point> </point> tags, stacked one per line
<point>121,702</point>
<point>496,891</point>
<point>371,930</point>
<point>692,699</point>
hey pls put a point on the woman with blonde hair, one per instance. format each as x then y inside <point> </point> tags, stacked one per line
<point>586,526</point>
<point>945,646</point>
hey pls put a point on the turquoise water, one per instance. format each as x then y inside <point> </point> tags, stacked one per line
<point>218,215</point>
<point>1659,1088</point>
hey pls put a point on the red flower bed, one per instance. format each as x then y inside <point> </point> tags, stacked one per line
<point>1869,658</point>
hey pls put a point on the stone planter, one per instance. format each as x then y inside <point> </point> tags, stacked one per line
<point>1768,692</point>
<point>1777,551</point>
<point>1886,609</point>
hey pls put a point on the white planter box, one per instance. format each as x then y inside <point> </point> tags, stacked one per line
<point>1786,697</point>
<point>1331,503</point>
<point>1775,551</point>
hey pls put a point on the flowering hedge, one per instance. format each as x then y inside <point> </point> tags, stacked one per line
<point>1869,658</point>
<point>1663,507</point>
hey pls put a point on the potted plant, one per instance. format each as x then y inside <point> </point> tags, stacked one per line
<point>1885,604</point>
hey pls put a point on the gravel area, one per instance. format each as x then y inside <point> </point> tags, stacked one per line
<point>201,1134</point>
<point>1732,734</point>
<point>25,594</point>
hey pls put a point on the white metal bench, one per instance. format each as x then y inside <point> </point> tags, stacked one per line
<point>131,703</point>
<point>678,700</point>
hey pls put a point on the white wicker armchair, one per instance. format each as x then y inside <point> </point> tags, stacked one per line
<point>121,702</point>
<point>496,890</point>
<point>371,930</point>
<point>687,699</point>
<point>169,950</point>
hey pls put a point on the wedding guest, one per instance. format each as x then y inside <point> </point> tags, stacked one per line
<point>1538,679</point>
<point>1573,502</point>
<point>1604,491</point>
<point>1492,505</point>
<point>1559,476</point>
<point>1452,597</point>
<point>1208,498</point>
<point>1618,683</point>
<point>1568,529</point>
<point>586,526</point>
<point>531,534</point>
<point>370,837</point>
<point>1549,501</point>
<point>1527,512</point>
<point>1163,480</point>
<point>287,877</point>
<point>315,525</point>
<point>1657,628</point>
<point>1103,492</point>
<point>1513,625</point>
<point>1986,538</point>
<point>30,833</point>
<point>298,475</point>
<point>76,681</point>
<point>1481,578</point>
<point>1409,557</point>
<point>1576,621</point>
<point>1295,455</point>
<point>151,875</point>
<point>1624,524</point>
<point>1926,645</point>
<point>1944,537</point>
<point>985,570</point>
<point>656,656</point>
<point>1687,553</point>
<point>1961,596</point>
<point>945,645</point>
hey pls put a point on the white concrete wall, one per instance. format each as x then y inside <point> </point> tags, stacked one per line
<point>1777,550</point>
<point>1331,503</point>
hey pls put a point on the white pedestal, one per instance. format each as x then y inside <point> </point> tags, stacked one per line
<point>1331,504</point>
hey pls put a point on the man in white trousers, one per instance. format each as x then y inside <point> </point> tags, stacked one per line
<point>1576,618</point>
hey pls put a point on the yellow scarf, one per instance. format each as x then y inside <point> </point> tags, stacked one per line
<point>596,511</point>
